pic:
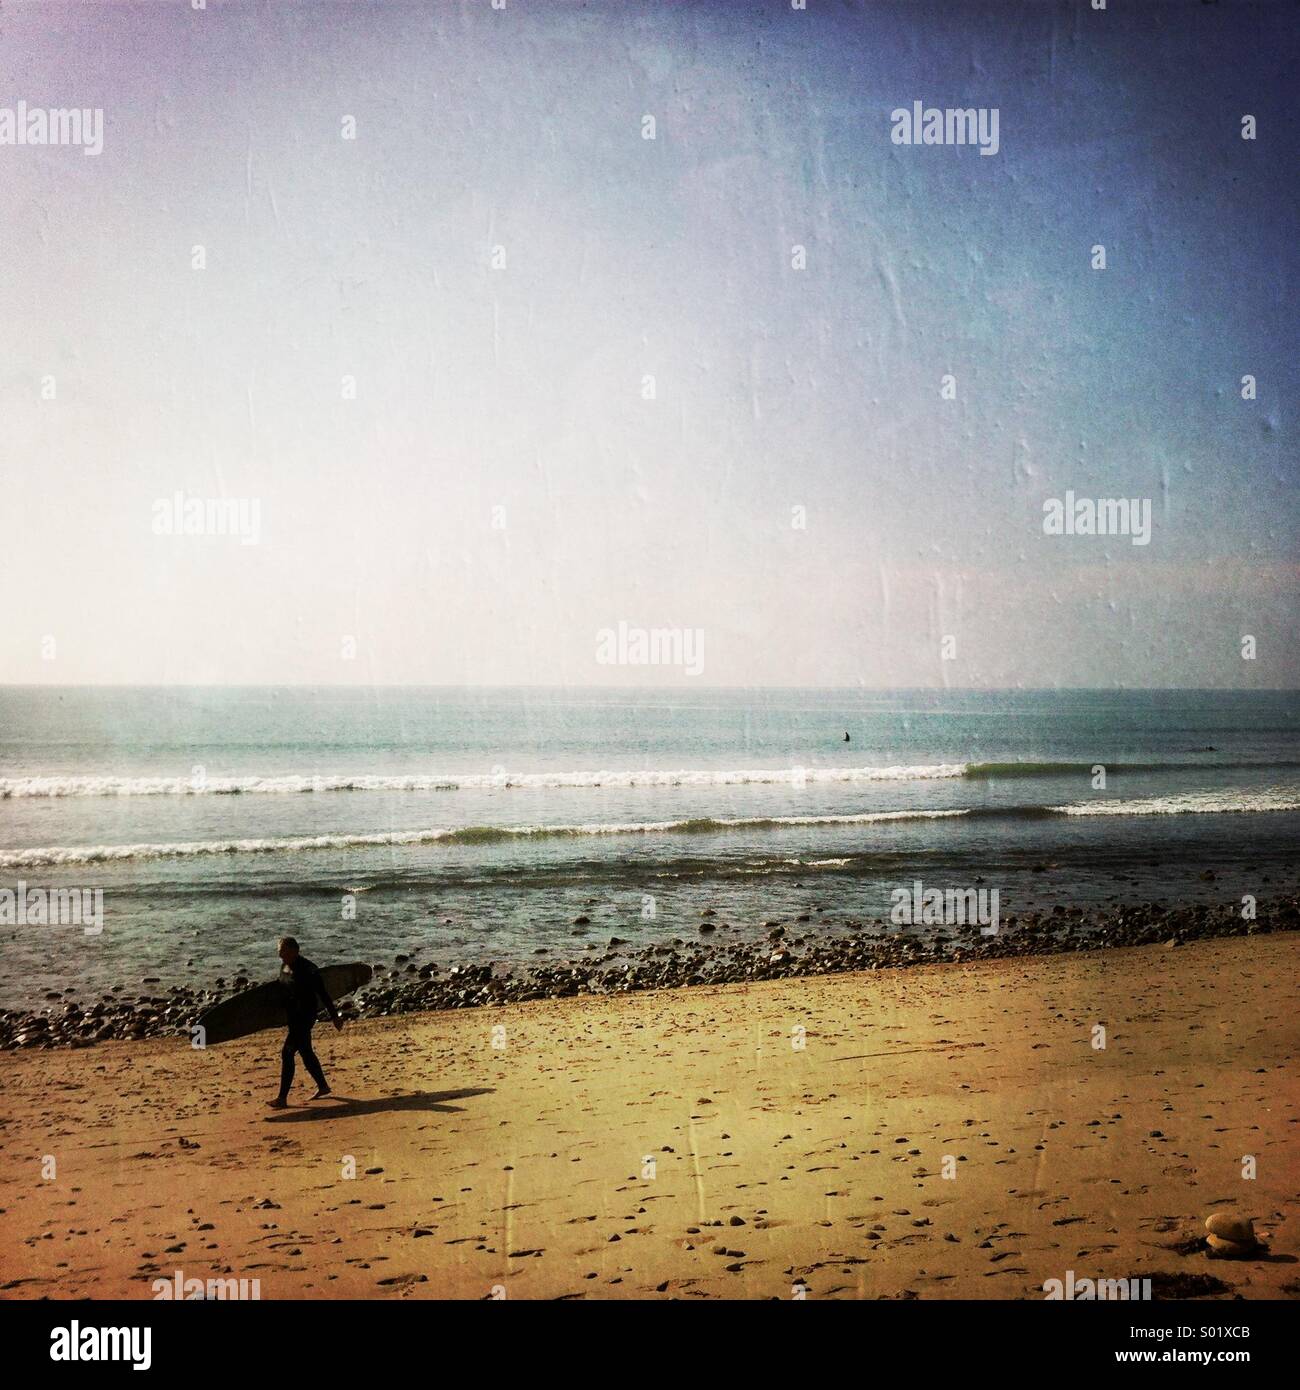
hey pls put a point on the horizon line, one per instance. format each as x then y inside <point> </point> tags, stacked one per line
<point>642,689</point>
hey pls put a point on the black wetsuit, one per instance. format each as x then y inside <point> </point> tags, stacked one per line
<point>305,993</point>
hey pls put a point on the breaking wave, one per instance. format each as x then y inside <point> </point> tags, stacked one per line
<point>465,835</point>
<point>1189,803</point>
<point>289,785</point>
<point>1203,803</point>
<point>486,781</point>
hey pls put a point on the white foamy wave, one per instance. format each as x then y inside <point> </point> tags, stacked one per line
<point>185,849</point>
<point>1189,803</point>
<point>857,818</point>
<point>470,834</point>
<point>450,782</point>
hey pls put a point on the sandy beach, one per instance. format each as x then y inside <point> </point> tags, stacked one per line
<point>740,1141</point>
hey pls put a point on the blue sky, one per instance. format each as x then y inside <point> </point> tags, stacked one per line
<point>521,388</point>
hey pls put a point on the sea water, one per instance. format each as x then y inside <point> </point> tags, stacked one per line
<point>479,824</point>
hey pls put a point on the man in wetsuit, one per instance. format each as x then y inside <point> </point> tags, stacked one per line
<point>304,993</point>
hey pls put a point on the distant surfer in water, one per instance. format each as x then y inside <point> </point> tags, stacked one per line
<point>847,739</point>
<point>306,992</point>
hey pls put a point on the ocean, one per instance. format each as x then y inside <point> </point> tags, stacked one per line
<point>477,825</point>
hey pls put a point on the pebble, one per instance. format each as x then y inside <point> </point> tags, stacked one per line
<point>663,965</point>
<point>1229,1249</point>
<point>1224,1226</point>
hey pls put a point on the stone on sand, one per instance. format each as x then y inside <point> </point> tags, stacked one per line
<point>1236,1229</point>
<point>1229,1249</point>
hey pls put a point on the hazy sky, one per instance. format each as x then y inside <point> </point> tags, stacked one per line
<point>520,386</point>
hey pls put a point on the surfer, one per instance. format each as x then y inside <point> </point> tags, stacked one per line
<point>847,739</point>
<point>305,993</point>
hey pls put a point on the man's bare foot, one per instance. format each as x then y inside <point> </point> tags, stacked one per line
<point>279,1103</point>
<point>322,1093</point>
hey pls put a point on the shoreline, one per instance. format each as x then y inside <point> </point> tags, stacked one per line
<point>950,1131</point>
<point>787,949</point>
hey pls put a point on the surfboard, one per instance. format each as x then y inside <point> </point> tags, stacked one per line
<point>263,1006</point>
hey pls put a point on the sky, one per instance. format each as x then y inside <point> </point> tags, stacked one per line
<point>500,373</point>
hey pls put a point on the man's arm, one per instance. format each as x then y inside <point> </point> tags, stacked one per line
<point>319,981</point>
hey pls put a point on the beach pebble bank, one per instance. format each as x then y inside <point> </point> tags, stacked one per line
<point>666,965</point>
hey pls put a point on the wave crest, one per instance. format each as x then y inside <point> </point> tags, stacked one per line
<point>465,835</point>
<point>1189,803</point>
<point>469,781</point>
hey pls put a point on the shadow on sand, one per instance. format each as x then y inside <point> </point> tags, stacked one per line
<point>340,1107</point>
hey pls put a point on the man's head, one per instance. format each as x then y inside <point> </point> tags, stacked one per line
<point>288,949</point>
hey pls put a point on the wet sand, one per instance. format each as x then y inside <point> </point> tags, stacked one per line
<point>734,1141</point>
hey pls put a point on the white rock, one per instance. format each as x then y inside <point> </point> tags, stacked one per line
<point>1228,1227</point>
<point>1226,1249</point>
